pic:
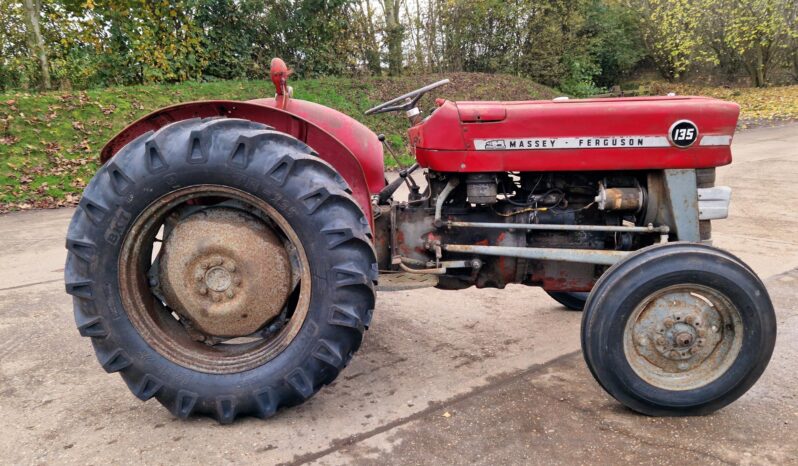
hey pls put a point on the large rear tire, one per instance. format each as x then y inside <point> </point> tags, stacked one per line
<point>262,180</point>
<point>678,329</point>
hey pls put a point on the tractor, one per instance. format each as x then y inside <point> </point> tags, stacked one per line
<point>224,258</point>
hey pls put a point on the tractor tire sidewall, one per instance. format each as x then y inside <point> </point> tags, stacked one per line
<point>622,288</point>
<point>292,375</point>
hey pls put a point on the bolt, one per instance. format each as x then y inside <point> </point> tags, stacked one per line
<point>153,281</point>
<point>202,290</point>
<point>702,333</point>
<point>205,265</point>
<point>694,350</point>
<point>229,293</point>
<point>642,341</point>
<point>217,297</point>
<point>683,366</point>
<point>661,341</point>
<point>674,354</point>
<point>230,266</point>
<point>689,319</point>
<point>199,276</point>
<point>217,260</point>
<point>668,322</point>
<point>237,280</point>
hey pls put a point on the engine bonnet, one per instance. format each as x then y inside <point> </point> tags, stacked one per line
<point>579,134</point>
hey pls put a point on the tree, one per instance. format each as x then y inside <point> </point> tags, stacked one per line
<point>394,35</point>
<point>614,43</point>
<point>33,10</point>
<point>668,32</point>
<point>226,38</point>
<point>759,33</point>
<point>364,21</point>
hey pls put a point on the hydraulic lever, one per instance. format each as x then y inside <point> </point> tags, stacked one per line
<point>404,176</point>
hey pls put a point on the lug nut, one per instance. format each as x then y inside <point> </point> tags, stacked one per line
<point>230,266</point>
<point>689,319</point>
<point>668,322</point>
<point>202,290</point>
<point>661,341</point>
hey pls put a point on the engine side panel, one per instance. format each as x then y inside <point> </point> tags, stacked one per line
<point>574,135</point>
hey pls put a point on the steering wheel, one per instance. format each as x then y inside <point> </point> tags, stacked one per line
<point>407,101</point>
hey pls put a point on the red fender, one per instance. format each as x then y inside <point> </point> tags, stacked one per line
<point>343,142</point>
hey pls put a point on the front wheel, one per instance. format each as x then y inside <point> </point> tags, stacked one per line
<point>678,329</point>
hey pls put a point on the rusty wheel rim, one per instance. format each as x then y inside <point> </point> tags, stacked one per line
<point>166,331</point>
<point>683,337</point>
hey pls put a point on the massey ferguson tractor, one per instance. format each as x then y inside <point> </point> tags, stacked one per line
<point>224,258</point>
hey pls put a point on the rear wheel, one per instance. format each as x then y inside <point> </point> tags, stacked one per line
<point>573,301</point>
<point>678,329</point>
<point>221,268</point>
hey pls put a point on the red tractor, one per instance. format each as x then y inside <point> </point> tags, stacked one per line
<point>224,259</point>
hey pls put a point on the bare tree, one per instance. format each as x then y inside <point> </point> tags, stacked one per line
<point>370,46</point>
<point>394,35</point>
<point>33,9</point>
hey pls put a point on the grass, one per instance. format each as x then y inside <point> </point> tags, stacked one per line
<point>49,142</point>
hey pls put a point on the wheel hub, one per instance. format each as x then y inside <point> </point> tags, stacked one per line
<point>682,336</point>
<point>226,271</point>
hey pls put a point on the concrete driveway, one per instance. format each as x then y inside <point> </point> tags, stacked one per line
<point>474,376</point>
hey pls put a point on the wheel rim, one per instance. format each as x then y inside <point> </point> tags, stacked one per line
<point>207,300</point>
<point>683,337</point>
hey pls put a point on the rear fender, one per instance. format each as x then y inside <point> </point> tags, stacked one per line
<point>350,166</point>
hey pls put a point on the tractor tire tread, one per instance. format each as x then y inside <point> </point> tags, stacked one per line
<point>261,155</point>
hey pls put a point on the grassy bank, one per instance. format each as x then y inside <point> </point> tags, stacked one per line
<point>49,142</point>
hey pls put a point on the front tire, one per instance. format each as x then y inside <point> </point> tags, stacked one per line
<point>223,169</point>
<point>678,329</point>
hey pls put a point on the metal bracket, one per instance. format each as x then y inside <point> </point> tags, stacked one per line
<point>682,195</point>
